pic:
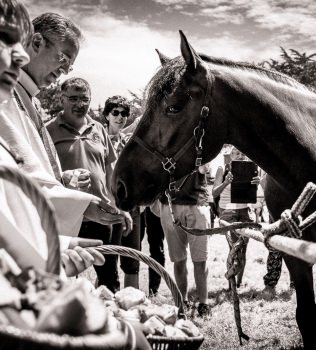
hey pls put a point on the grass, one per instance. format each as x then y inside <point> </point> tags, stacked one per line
<point>269,324</point>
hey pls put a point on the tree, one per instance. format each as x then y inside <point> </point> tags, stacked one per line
<point>136,106</point>
<point>299,66</point>
<point>50,100</point>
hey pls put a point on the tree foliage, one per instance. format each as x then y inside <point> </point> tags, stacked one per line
<point>136,109</point>
<point>50,100</point>
<point>299,66</point>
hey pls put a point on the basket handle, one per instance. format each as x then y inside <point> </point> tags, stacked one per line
<point>136,254</point>
<point>45,210</point>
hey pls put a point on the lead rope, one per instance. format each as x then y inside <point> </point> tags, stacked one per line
<point>235,261</point>
<point>290,224</point>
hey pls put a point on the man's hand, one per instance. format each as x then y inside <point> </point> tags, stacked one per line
<point>76,258</point>
<point>229,178</point>
<point>255,180</point>
<point>127,223</point>
<point>78,179</point>
<point>103,213</point>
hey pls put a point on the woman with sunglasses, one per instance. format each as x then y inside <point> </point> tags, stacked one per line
<point>116,111</point>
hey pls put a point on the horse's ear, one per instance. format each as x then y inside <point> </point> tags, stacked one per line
<point>190,56</point>
<point>163,59</point>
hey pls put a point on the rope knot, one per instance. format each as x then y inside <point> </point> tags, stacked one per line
<point>291,222</point>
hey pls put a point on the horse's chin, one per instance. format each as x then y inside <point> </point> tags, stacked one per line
<point>125,205</point>
<point>129,204</point>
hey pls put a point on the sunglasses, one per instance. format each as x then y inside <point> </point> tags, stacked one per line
<point>115,113</point>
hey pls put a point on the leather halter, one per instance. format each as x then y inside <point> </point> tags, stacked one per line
<point>169,163</point>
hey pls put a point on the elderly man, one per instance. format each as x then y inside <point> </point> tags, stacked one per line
<point>82,142</point>
<point>52,48</point>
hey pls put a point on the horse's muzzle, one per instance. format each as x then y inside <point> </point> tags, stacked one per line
<point>121,196</point>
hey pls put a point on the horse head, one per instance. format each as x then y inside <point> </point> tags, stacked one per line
<point>178,99</point>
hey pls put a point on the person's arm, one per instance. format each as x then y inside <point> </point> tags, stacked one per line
<point>220,183</point>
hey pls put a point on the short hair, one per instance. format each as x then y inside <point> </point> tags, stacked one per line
<point>116,101</point>
<point>56,27</point>
<point>78,84</point>
<point>14,14</point>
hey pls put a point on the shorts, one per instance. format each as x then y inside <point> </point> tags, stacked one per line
<point>192,216</point>
<point>235,215</point>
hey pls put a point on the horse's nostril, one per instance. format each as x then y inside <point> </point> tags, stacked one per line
<point>121,192</point>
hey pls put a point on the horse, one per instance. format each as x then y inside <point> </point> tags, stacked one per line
<point>267,115</point>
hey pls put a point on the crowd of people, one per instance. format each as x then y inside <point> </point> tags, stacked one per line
<point>72,160</point>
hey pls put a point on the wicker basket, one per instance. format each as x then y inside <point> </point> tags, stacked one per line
<point>13,338</point>
<point>159,342</point>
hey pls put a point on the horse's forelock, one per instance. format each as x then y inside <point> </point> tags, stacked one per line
<point>164,82</point>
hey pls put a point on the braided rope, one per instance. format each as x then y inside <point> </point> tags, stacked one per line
<point>44,208</point>
<point>137,255</point>
<point>290,223</point>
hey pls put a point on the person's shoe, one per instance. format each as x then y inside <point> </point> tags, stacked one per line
<point>204,310</point>
<point>268,293</point>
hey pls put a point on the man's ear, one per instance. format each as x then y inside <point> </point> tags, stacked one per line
<point>38,42</point>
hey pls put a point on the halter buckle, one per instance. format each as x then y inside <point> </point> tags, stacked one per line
<point>172,187</point>
<point>169,164</point>
<point>204,112</point>
<point>198,162</point>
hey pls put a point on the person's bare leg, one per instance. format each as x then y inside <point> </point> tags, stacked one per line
<point>181,277</point>
<point>131,280</point>
<point>200,276</point>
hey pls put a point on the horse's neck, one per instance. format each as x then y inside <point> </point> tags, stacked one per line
<point>273,125</point>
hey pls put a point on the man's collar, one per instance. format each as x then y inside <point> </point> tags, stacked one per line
<point>28,83</point>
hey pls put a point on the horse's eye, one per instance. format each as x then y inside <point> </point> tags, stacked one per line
<point>173,109</point>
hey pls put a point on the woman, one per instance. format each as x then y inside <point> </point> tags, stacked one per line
<point>116,111</point>
<point>229,211</point>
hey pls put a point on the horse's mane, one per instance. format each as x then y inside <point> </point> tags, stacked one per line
<point>168,76</point>
<point>273,74</point>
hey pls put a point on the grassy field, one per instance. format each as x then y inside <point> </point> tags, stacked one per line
<point>269,324</point>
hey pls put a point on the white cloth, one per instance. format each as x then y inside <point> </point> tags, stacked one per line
<point>21,233</point>
<point>19,132</point>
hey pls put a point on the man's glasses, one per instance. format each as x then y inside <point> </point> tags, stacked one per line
<point>63,59</point>
<point>77,99</point>
<point>115,113</point>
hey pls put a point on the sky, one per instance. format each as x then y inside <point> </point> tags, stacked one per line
<point>118,53</point>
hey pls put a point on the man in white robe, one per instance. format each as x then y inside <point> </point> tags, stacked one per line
<point>51,54</point>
